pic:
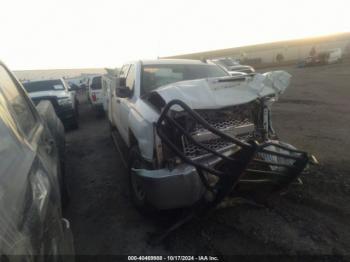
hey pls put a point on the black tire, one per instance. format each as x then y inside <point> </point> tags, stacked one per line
<point>65,198</point>
<point>77,109</point>
<point>143,205</point>
<point>75,123</point>
<point>100,113</point>
<point>112,128</point>
<point>137,194</point>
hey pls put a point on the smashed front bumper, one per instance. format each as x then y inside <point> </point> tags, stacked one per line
<point>245,169</point>
<point>169,189</point>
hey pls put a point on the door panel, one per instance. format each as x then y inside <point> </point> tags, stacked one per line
<point>125,105</point>
<point>116,101</point>
<point>124,115</point>
<point>27,119</point>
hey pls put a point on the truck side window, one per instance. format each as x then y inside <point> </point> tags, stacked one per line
<point>20,109</point>
<point>130,80</point>
<point>96,83</point>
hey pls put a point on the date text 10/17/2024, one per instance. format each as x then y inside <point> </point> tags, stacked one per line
<point>173,258</point>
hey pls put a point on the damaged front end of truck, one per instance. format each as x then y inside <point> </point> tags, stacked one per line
<point>214,139</point>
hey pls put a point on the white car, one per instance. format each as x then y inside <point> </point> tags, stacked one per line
<point>195,134</point>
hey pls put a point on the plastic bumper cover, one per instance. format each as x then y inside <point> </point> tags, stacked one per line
<point>168,189</point>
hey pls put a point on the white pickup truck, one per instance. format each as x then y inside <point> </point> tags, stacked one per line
<point>94,93</point>
<point>195,134</point>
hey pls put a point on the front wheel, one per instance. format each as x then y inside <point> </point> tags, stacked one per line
<point>137,193</point>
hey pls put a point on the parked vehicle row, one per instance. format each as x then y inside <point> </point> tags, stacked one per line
<point>322,58</point>
<point>195,132</point>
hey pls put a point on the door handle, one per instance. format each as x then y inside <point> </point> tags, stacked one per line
<point>50,143</point>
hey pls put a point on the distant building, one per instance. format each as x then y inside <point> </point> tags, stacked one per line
<point>278,52</point>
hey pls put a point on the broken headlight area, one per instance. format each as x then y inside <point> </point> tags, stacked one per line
<point>236,121</point>
<point>245,122</point>
<point>231,148</point>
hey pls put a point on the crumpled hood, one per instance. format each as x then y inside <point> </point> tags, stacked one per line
<point>53,93</point>
<point>212,93</point>
<point>238,67</point>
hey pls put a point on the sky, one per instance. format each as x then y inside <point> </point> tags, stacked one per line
<point>49,34</point>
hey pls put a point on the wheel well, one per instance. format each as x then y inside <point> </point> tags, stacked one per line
<point>133,142</point>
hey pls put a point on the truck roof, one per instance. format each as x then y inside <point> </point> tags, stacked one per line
<point>171,61</point>
<point>42,80</point>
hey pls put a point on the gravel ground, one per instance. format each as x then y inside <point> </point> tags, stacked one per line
<point>313,114</point>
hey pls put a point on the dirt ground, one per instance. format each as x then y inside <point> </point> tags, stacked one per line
<point>313,114</point>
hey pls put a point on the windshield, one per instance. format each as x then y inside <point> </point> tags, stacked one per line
<point>43,86</point>
<point>154,76</point>
<point>227,62</point>
<point>96,83</point>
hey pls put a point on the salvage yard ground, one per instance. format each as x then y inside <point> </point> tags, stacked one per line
<point>313,114</point>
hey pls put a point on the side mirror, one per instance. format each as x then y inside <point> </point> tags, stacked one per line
<point>122,90</point>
